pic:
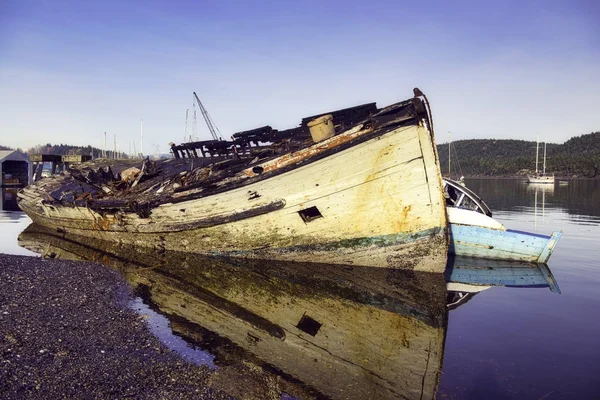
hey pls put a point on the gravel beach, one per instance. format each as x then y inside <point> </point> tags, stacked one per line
<point>66,332</point>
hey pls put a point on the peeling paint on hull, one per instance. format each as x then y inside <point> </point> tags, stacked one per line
<point>385,187</point>
<point>475,241</point>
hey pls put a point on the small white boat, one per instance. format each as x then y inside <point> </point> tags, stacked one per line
<point>474,233</point>
<point>540,177</point>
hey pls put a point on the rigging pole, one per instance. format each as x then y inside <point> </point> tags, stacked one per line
<point>449,156</point>
<point>537,152</point>
<point>186,121</point>
<point>209,122</point>
<point>142,138</point>
<point>194,134</point>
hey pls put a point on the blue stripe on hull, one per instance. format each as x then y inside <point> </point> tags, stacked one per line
<point>474,241</point>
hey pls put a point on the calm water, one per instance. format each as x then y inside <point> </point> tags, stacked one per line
<point>12,222</point>
<point>358,333</point>
<point>530,343</point>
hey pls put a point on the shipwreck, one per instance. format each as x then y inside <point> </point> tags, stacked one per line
<point>358,186</point>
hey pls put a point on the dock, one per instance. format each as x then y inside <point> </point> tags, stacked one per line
<point>58,162</point>
<point>18,169</point>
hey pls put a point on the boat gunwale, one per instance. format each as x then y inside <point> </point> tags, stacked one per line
<point>370,134</point>
<point>329,148</point>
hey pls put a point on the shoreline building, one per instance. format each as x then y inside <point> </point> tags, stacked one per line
<point>15,168</point>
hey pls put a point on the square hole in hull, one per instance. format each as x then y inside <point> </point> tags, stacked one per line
<point>309,325</point>
<point>310,214</point>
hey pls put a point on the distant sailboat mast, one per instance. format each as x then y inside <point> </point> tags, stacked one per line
<point>537,177</point>
<point>544,158</point>
<point>449,157</point>
<point>537,151</point>
<point>194,135</point>
<point>186,122</point>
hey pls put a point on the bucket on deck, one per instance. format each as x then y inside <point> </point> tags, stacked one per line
<point>321,128</point>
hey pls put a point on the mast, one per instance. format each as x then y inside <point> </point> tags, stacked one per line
<point>209,122</point>
<point>194,135</point>
<point>186,121</point>
<point>142,138</point>
<point>449,144</point>
<point>537,151</point>
<point>104,149</point>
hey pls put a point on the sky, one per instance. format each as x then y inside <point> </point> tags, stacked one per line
<point>72,70</point>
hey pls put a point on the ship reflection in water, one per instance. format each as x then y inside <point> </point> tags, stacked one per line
<point>281,329</point>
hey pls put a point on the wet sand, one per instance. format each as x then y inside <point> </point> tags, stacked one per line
<point>66,332</point>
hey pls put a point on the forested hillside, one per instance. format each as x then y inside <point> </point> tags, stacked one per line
<point>577,157</point>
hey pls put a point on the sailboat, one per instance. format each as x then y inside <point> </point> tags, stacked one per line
<point>540,178</point>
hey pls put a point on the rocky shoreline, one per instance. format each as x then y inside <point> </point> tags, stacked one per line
<point>66,331</point>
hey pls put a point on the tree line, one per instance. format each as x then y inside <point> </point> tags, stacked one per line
<point>578,157</point>
<point>67,149</point>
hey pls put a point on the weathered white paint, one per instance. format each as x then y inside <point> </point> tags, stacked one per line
<point>463,216</point>
<point>466,287</point>
<point>387,186</point>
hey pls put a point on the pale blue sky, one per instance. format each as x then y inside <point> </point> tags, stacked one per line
<point>70,70</point>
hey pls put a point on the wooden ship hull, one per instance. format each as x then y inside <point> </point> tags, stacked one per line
<point>370,195</point>
<point>340,333</point>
